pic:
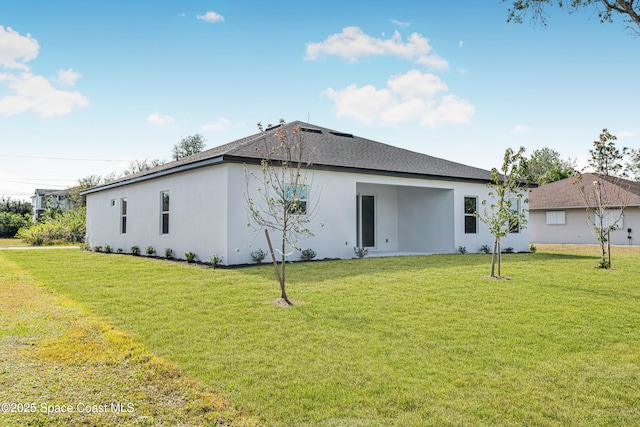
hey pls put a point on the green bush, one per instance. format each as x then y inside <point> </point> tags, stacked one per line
<point>360,252</point>
<point>149,250</point>
<point>215,260</point>
<point>168,253</point>
<point>308,254</point>
<point>66,227</point>
<point>190,257</point>
<point>11,223</point>
<point>258,256</point>
<point>135,250</point>
<point>106,249</point>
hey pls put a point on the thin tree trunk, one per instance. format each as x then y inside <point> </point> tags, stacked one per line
<point>275,265</point>
<point>608,249</point>
<point>284,264</point>
<point>499,254</point>
<point>603,250</point>
<point>493,257</point>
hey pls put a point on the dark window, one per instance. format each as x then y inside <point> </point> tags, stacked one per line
<point>165,212</point>
<point>123,216</point>
<point>470,221</point>
<point>514,222</point>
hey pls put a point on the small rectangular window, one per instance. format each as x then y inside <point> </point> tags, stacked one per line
<point>514,223</point>
<point>470,220</point>
<point>123,216</point>
<point>296,196</point>
<point>113,202</point>
<point>556,218</point>
<point>613,218</point>
<point>164,212</point>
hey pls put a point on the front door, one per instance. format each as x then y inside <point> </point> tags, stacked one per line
<point>366,220</point>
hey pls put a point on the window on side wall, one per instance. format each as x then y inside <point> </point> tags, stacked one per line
<point>556,218</point>
<point>296,196</point>
<point>514,224</point>
<point>164,212</point>
<point>470,221</point>
<point>613,217</point>
<point>123,216</point>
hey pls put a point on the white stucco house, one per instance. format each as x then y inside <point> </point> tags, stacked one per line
<point>44,199</point>
<point>370,194</point>
<point>558,211</point>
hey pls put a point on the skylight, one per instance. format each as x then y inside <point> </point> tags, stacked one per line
<point>345,135</point>
<point>310,130</point>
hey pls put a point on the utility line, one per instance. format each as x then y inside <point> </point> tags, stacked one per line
<point>64,158</point>
<point>34,180</point>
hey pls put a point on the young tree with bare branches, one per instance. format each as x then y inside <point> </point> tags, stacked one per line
<point>605,194</point>
<point>507,189</point>
<point>282,201</point>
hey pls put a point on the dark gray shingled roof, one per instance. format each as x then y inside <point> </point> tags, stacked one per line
<point>333,149</point>
<point>566,194</point>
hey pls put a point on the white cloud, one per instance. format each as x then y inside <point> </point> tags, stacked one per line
<point>30,92</point>
<point>211,17</point>
<point>415,84</point>
<point>219,124</point>
<point>35,93</point>
<point>626,134</point>
<point>521,129</point>
<point>15,49</point>
<point>400,23</point>
<point>412,96</point>
<point>352,43</point>
<point>460,43</point>
<point>68,77</point>
<point>158,119</point>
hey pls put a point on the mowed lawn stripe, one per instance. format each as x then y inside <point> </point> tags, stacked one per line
<point>396,341</point>
<point>62,366</point>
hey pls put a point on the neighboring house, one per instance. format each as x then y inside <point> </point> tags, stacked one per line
<point>558,211</point>
<point>48,199</point>
<point>370,194</point>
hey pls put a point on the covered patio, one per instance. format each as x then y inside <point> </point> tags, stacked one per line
<point>395,220</point>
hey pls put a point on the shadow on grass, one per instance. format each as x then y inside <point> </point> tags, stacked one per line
<point>323,270</point>
<point>610,293</point>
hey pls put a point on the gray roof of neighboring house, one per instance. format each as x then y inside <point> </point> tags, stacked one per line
<point>334,150</point>
<point>565,194</point>
<point>44,192</point>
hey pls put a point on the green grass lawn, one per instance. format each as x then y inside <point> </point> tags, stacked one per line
<point>376,342</point>
<point>6,243</point>
<point>58,362</point>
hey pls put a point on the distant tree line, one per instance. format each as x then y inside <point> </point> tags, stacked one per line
<point>14,214</point>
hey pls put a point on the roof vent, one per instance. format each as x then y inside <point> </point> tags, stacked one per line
<point>273,127</point>
<point>346,135</point>
<point>310,130</point>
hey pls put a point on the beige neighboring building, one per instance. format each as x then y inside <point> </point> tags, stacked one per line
<point>558,211</point>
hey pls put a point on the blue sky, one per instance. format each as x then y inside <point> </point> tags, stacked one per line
<point>87,86</point>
